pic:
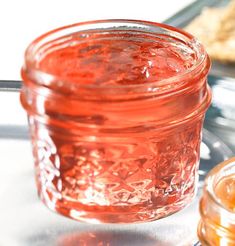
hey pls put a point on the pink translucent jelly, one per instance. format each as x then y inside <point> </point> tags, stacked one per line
<point>117,61</point>
<point>116,160</point>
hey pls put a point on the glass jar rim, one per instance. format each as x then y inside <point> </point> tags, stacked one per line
<point>201,64</point>
<point>211,181</point>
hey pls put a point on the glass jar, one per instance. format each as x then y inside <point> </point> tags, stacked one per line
<point>217,206</point>
<point>115,111</point>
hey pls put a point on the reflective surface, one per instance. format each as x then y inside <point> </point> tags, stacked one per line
<point>25,221</point>
<point>220,117</point>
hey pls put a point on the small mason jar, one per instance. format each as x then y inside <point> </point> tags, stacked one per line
<point>115,111</point>
<point>217,206</point>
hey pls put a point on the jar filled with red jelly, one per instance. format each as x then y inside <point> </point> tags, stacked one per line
<point>115,111</point>
<point>217,206</point>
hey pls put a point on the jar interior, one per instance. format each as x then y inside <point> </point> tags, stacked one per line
<point>135,53</point>
<point>224,187</point>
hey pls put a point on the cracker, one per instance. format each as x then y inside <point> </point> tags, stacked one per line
<point>215,28</point>
<point>205,25</point>
<point>226,26</point>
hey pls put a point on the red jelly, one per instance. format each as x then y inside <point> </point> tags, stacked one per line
<point>115,113</point>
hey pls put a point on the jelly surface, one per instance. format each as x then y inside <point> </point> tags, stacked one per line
<point>118,60</point>
<point>225,192</point>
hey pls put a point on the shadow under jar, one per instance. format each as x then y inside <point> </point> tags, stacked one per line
<point>115,111</point>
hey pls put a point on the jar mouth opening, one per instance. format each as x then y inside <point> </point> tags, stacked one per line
<point>221,171</point>
<point>201,63</point>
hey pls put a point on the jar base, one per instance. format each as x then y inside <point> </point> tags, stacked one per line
<point>98,215</point>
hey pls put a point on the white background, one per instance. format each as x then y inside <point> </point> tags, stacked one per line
<point>21,21</point>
